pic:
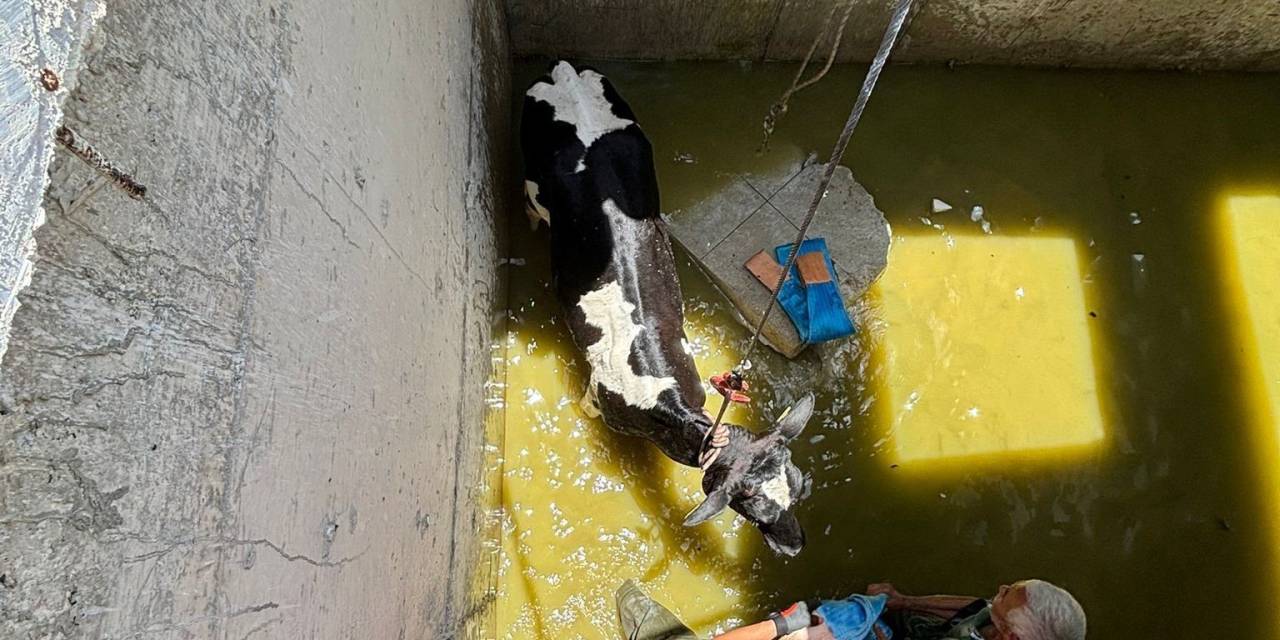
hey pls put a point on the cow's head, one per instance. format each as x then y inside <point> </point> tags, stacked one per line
<point>755,477</point>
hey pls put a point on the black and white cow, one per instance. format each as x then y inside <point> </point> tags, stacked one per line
<point>590,176</point>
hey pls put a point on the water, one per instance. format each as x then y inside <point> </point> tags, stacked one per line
<point>1158,530</point>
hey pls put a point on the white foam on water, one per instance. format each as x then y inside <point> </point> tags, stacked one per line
<point>532,396</point>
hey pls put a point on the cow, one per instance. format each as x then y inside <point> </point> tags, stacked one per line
<point>590,176</point>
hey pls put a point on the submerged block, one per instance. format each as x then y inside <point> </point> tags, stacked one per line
<point>759,213</point>
<point>986,347</point>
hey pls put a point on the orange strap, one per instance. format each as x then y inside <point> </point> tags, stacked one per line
<point>765,269</point>
<point>813,268</point>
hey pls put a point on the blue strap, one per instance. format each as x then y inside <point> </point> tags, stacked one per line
<point>817,311</point>
<point>855,617</point>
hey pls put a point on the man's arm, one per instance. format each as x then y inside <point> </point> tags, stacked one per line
<point>941,605</point>
<point>759,631</point>
<point>791,623</point>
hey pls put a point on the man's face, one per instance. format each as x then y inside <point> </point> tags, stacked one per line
<point>1008,599</point>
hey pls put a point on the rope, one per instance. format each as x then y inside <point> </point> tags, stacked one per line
<point>779,108</point>
<point>718,432</point>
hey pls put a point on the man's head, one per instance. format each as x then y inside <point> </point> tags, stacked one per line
<point>754,475</point>
<point>1037,610</point>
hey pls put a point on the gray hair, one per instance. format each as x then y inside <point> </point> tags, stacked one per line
<point>1051,613</point>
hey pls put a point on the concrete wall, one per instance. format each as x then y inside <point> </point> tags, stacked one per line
<point>1216,34</point>
<point>250,406</point>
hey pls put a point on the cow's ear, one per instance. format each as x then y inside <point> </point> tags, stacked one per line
<point>715,503</point>
<point>793,420</point>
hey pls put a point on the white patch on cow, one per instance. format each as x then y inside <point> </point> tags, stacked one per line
<point>578,99</point>
<point>608,310</point>
<point>532,207</point>
<point>778,488</point>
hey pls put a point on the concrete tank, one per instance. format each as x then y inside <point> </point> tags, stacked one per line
<point>253,402</point>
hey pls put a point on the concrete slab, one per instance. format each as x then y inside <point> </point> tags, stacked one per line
<point>725,230</point>
<point>765,228</point>
<point>728,210</point>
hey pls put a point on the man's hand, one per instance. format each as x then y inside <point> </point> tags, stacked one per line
<point>940,606</point>
<point>793,618</point>
<point>896,599</point>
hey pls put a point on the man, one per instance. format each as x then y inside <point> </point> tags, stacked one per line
<point>1026,610</point>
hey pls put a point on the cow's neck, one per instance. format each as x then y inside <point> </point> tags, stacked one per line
<point>683,444</point>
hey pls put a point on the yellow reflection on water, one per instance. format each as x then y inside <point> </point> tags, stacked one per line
<point>586,509</point>
<point>1249,244</point>
<point>986,348</point>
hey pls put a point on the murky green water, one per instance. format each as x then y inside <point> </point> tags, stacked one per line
<point>1158,531</point>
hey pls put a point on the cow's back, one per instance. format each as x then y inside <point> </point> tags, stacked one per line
<point>589,168</point>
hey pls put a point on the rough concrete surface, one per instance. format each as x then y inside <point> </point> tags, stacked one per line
<point>40,43</point>
<point>1219,34</point>
<point>251,405</point>
<point>760,212</point>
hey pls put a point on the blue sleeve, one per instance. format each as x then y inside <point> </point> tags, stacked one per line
<point>853,617</point>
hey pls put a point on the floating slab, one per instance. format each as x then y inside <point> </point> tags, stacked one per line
<point>758,212</point>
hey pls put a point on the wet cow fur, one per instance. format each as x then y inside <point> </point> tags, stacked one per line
<point>589,175</point>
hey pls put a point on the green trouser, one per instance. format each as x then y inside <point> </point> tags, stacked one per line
<point>642,618</point>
